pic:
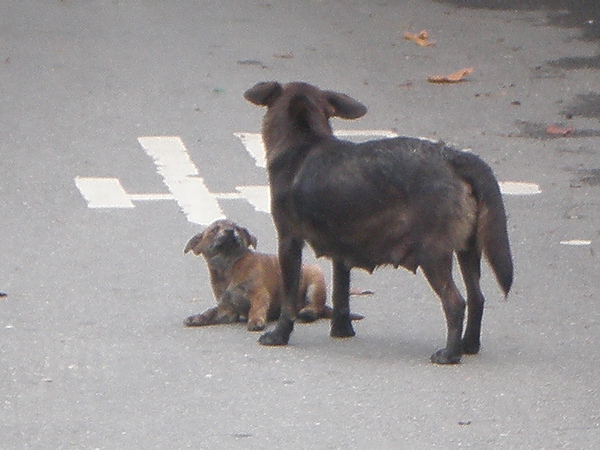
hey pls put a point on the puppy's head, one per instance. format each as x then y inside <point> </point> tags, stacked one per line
<point>305,105</point>
<point>222,237</point>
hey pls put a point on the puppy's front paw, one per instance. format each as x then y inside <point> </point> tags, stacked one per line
<point>443,357</point>
<point>256,325</point>
<point>196,321</point>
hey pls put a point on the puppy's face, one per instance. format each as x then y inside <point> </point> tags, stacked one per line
<point>222,237</point>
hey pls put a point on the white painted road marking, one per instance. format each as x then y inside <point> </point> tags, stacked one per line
<point>150,197</point>
<point>576,242</point>
<point>189,190</point>
<point>519,188</point>
<point>180,175</point>
<point>103,192</point>
<point>254,145</point>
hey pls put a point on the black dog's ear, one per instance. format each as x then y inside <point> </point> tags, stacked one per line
<point>345,106</point>
<point>194,244</point>
<point>264,94</point>
<point>249,238</point>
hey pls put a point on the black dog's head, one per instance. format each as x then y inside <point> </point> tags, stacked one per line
<point>302,107</point>
<point>221,238</point>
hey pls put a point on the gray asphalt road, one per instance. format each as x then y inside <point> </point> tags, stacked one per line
<point>93,353</point>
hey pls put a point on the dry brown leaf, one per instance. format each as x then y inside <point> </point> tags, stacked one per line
<point>359,292</point>
<point>455,77</point>
<point>422,38</point>
<point>289,55</point>
<point>557,130</point>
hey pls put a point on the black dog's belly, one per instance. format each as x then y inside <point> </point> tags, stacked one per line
<point>378,203</point>
<point>381,202</point>
<point>365,254</point>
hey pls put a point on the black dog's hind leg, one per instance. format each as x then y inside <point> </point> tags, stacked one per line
<point>439,275</point>
<point>470,266</point>
<point>341,326</point>
<point>290,261</point>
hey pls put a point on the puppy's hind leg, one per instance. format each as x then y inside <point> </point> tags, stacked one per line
<point>470,266</point>
<point>438,272</point>
<point>341,326</point>
<point>259,310</point>
<point>313,295</point>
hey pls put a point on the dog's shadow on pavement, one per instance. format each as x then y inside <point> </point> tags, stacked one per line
<point>366,346</point>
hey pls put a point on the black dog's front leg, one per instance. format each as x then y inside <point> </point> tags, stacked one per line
<point>341,326</point>
<point>290,261</point>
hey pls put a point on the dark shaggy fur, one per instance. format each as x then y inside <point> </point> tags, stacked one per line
<point>402,201</point>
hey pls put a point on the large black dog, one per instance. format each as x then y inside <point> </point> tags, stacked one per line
<point>402,201</point>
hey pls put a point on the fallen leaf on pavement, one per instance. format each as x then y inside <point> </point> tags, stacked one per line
<point>558,130</point>
<point>357,292</point>
<point>455,77</point>
<point>422,38</point>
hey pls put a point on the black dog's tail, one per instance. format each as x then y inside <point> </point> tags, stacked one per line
<point>492,235</point>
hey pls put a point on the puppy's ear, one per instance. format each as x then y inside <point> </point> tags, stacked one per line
<point>264,94</point>
<point>194,244</point>
<point>345,106</point>
<point>249,238</point>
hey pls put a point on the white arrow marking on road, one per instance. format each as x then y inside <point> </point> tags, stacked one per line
<point>188,189</point>
<point>254,145</point>
<point>180,175</point>
<point>258,196</point>
<point>370,134</point>
<point>103,192</point>
<point>150,197</point>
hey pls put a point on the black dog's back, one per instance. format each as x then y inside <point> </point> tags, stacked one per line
<point>381,202</point>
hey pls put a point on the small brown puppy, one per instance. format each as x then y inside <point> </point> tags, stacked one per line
<point>247,284</point>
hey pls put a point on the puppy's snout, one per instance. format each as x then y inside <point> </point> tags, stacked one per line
<point>228,235</point>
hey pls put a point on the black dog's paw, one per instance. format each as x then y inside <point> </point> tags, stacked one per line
<point>273,338</point>
<point>196,321</point>
<point>341,328</point>
<point>470,347</point>
<point>443,357</point>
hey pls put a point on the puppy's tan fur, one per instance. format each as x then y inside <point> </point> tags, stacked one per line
<point>247,284</point>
